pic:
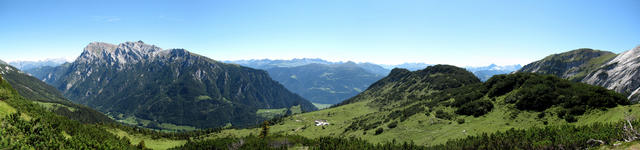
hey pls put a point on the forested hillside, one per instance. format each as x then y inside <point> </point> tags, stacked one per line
<point>49,97</point>
<point>26,125</point>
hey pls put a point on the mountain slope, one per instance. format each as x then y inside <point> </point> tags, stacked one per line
<point>30,126</point>
<point>441,103</point>
<point>46,95</point>
<point>152,87</point>
<point>30,87</point>
<point>621,74</point>
<point>374,68</point>
<point>573,65</point>
<point>322,83</point>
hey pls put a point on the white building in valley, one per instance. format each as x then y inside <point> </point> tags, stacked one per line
<point>321,122</point>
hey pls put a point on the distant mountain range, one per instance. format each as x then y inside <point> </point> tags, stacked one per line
<point>309,76</point>
<point>318,80</point>
<point>486,72</point>
<point>408,66</point>
<point>26,65</point>
<point>619,72</point>
<point>268,63</point>
<point>145,85</point>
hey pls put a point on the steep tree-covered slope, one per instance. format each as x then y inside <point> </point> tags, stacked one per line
<point>573,65</point>
<point>30,126</point>
<point>46,95</point>
<point>441,103</point>
<point>149,86</point>
<point>325,84</point>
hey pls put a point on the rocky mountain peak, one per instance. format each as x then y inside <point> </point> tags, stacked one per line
<point>117,54</point>
<point>138,46</point>
<point>99,47</point>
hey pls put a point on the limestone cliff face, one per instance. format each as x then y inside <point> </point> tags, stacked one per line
<point>169,86</point>
<point>621,74</point>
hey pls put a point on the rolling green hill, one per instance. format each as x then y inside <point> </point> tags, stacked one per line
<point>443,103</point>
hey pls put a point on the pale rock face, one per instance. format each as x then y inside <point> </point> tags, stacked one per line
<point>621,74</point>
<point>128,52</point>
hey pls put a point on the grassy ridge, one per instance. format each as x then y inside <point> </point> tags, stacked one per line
<point>6,109</point>
<point>153,143</point>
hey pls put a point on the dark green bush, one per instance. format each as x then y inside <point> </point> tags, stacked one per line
<point>443,115</point>
<point>379,131</point>
<point>392,124</point>
<point>476,108</point>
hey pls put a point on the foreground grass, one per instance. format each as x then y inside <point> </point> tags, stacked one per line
<point>270,113</point>
<point>160,143</point>
<point>5,109</point>
<point>322,106</point>
<point>168,127</point>
<point>426,129</point>
<point>303,124</point>
<point>53,106</point>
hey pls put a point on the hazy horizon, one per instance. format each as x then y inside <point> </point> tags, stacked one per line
<point>71,59</point>
<point>461,33</point>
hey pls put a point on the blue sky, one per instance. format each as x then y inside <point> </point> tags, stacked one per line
<point>464,33</point>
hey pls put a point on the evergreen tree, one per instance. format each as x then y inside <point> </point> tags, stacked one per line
<point>265,129</point>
